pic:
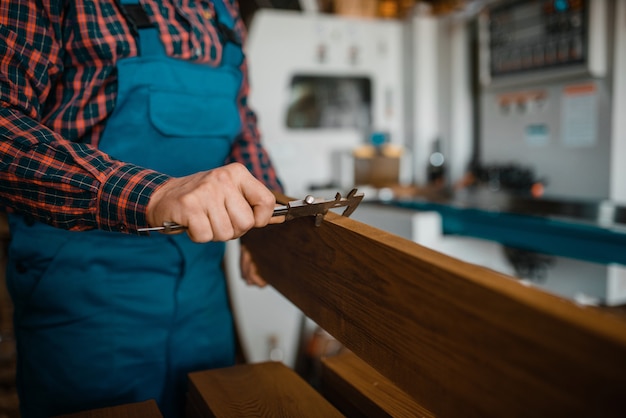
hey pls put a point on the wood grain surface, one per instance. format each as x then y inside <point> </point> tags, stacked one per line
<point>462,340</point>
<point>267,389</point>
<point>147,409</point>
<point>358,390</point>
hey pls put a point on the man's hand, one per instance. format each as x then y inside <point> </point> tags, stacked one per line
<point>215,205</point>
<point>248,269</point>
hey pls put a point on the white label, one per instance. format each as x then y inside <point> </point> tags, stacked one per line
<point>579,120</point>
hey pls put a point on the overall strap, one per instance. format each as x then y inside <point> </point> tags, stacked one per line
<point>149,43</point>
<point>225,23</point>
<point>136,13</point>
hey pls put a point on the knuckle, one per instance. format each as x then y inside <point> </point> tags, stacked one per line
<point>225,233</point>
<point>200,237</point>
<point>269,199</point>
<point>231,170</point>
<point>247,224</point>
<point>186,200</point>
<point>221,175</point>
<point>237,167</point>
<point>243,226</point>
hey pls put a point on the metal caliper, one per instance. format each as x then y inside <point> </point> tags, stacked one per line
<point>309,206</point>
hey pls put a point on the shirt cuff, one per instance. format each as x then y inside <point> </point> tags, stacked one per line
<point>123,198</point>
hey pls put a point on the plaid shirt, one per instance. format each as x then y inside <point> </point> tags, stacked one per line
<point>58,85</point>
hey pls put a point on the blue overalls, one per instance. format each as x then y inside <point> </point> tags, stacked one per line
<point>104,318</point>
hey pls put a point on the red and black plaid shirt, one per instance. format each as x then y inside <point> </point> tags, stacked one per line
<point>58,86</point>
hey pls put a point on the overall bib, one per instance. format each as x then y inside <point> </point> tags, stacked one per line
<point>104,318</point>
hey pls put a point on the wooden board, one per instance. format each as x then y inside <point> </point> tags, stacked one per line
<point>461,339</point>
<point>357,390</point>
<point>147,409</point>
<point>267,389</point>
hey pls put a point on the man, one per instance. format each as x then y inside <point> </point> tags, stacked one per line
<point>117,116</point>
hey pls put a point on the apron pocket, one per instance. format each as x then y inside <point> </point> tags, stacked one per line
<point>184,115</point>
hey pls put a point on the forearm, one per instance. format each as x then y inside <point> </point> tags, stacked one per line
<point>68,185</point>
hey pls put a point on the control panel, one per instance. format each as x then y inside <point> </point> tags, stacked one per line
<point>537,35</point>
<point>546,95</point>
<point>523,39</point>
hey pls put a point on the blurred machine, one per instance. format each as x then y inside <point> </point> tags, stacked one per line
<point>551,74</point>
<point>322,85</point>
<point>546,97</point>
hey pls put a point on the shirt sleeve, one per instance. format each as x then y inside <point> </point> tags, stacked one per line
<point>42,175</point>
<point>247,148</point>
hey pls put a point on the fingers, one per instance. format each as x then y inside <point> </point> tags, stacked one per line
<point>246,203</point>
<point>231,218</point>
<point>249,270</point>
<point>200,229</point>
<point>216,205</point>
<point>277,219</point>
<point>261,199</point>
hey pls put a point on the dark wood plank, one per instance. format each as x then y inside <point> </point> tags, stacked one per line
<point>358,390</point>
<point>461,339</point>
<point>267,389</point>
<point>147,409</point>
<point>193,407</point>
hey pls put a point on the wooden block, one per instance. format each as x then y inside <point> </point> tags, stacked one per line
<point>357,390</point>
<point>461,339</point>
<point>268,389</point>
<point>146,409</point>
